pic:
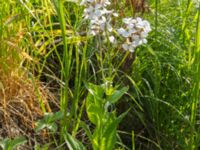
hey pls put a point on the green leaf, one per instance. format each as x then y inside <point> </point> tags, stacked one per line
<point>17,141</point>
<point>108,142</point>
<point>8,144</point>
<point>72,143</point>
<point>4,143</point>
<point>119,118</point>
<point>43,147</point>
<point>54,116</point>
<point>52,127</point>
<point>94,113</point>
<point>117,94</point>
<point>93,138</point>
<point>41,125</point>
<point>90,99</point>
<point>110,133</point>
<point>86,129</point>
<point>49,121</point>
<point>96,90</point>
<point>94,109</point>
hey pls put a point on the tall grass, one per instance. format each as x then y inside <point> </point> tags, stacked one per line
<point>196,88</point>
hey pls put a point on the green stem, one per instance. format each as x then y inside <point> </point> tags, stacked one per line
<point>196,86</point>
<point>65,70</point>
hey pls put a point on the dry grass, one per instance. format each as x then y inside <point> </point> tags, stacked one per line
<point>20,102</point>
<point>21,97</point>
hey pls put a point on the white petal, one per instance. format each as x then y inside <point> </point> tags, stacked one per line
<point>106,2</point>
<point>105,11</point>
<point>131,31</point>
<point>138,19</point>
<point>115,14</point>
<point>92,32</point>
<point>98,12</point>
<point>135,37</point>
<point>131,25</point>
<point>136,43</point>
<point>132,50</point>
<point>83,2</point>
<point>111,39</point>
<point>126,20</point>
<point>145,41</point>
<point>143,34</point>
<point>90,9</point>
<point>102,26</point>
<point>97,6</point>
<point>109,27</point>
<point>125,46</point>
<point>103,19</point>
<point>123,32</point>
<point>126,34</point>
<point>140,25</point>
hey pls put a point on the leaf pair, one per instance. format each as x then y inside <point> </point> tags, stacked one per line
<point>49,121</point>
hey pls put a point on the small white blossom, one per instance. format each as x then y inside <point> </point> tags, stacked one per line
<point>105,2</point>
<point>115,14</point>
<point>98,15</point>
<point>84,2</point>
<point>135,33</point>
<point>111,39</point>
<point>123,32</point>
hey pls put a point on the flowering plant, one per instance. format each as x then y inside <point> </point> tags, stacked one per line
<point>98,15</point>
<point>135,31</point>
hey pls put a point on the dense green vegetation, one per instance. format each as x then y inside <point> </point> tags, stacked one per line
<point>62,88</point>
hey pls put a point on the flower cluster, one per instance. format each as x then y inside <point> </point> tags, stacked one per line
<point>135,32</point>
<point>98,15</point>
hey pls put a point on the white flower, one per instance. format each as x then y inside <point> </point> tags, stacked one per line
<point>98,15</point>
<point>84,2</point>
<point>92,12</point>
<point>128,47</point>
<point>123,32</point>
<point>111,39</point>
<point>135,33</point>
<point>115,14</point>
<point>105,2</point>
<point>127,20</point>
